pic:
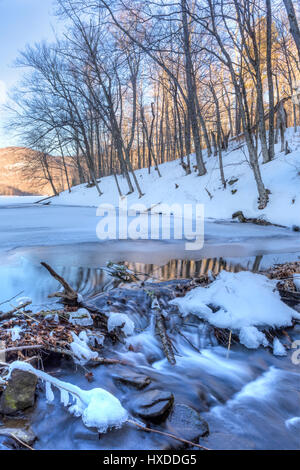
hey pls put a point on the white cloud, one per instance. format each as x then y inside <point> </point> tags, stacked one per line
<point>3,92</point>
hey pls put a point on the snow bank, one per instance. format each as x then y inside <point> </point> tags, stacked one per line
<point>280,176</point>
<point>97,407</point>
<point>241,302</point>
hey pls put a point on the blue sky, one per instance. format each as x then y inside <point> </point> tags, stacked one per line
<point>21,22</point>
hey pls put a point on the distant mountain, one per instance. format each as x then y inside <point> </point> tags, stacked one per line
<point>21,176</point>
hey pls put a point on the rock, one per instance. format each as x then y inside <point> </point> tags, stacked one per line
<point>25,435</point>
<point>187,423</point>
<point>153,405</point>
<point>19,393</point>
<point>224,441</point>
<point>138,381</point>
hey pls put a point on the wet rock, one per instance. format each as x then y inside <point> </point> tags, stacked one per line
<point>153,405</point>
<point>26,435</point>
<point>187,423</point>
<point>19,393</point>
<point>224,441</point>
<point>138,381</point>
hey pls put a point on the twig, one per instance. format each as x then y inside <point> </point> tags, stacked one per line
<point>21,442</point>
<point>9,300</point>
<point>229,344</point>
<point>20,348</point>
<point>185,441</point>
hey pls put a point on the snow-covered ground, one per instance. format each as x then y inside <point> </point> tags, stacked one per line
<point>281,177</point>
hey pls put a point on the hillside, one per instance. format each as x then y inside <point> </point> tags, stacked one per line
<point>281,177</point>
<point>17,180</point>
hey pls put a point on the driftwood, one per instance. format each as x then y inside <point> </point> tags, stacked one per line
<point>69,295</point>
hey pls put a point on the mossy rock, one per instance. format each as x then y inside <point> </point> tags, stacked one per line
<point>19,393</point>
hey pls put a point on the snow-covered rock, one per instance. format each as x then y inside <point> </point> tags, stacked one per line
<point>241,302</point>
<point>120,320</point>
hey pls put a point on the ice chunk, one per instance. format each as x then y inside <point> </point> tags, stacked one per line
<point>121,320</point>
<point>82,317</point>
<point>15,333</point>
<point>278,348</point>
<point>97,407</point>
<point>81,350</point>
<point>92,338</point>
<point>252,338</point>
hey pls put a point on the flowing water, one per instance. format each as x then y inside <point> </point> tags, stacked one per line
<point>247,397</point>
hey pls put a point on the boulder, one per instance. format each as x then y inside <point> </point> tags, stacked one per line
<point>153,405</point>
<point>187,423</point>
<point>19,393</point>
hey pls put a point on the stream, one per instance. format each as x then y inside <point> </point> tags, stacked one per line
<point>250,399</point>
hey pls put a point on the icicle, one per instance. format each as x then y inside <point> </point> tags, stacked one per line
<point>64,397</point>
<point>49,392</point>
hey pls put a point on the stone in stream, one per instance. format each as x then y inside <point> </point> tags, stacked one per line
<point>26,435</point>
<point>185,422</point>
<point>19,393</point>
<point>153,405</point>
<point>135,380</point>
